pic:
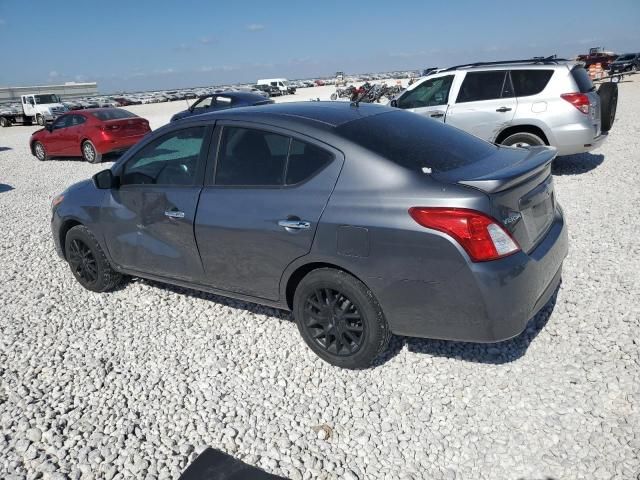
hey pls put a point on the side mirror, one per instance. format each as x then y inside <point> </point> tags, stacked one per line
<point>394,103</point>
<point>105,180</point>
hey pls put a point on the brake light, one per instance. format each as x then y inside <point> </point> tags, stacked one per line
<point>578,100</point>
<point>480,235</point>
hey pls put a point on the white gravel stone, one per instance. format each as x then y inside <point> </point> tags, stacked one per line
<point>124,385</point>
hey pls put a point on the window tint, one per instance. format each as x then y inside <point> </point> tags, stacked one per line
<point>530,82</point>
<point>77,120</point>
<point>204,103</point>
<point>416,142</point>
<point>112,114</point>
<point>429,93</point>
<point>251,157</point>
<point>305,160</point>
<point>478,86</point>
<point>170,160</point>
<point>62,122</point>
<point>582,79</point>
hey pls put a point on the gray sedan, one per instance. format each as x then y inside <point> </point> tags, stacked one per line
<point>363,220</point>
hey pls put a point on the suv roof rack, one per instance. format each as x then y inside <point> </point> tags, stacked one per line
<point>552,59</point>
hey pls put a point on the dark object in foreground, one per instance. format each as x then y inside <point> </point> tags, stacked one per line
<point>216,465</point>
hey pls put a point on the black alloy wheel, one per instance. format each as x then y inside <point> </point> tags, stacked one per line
<point>334,321</point>
<point>83,262</point>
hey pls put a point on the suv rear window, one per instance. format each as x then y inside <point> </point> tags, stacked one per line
<point>530,82</point>
<point>112,114</point>
<point>415,142</point>
<point>582,79</point>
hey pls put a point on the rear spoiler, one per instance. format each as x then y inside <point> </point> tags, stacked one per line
<point>538,159</point>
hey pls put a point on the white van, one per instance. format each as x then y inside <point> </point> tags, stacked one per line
<point>281,84</point>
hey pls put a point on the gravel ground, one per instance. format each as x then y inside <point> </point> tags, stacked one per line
<point>134,383</point>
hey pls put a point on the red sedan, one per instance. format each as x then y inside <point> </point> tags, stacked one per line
<point>89,133</point>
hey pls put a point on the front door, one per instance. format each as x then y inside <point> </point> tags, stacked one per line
<point>59,140</point>
<point>261,211</point>
<point>429,98</point>
<point>149,219</point>
<point>485,104</point>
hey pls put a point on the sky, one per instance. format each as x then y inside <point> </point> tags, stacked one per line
<point>139,45</point>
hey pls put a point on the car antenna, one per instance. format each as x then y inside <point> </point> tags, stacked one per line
<point>356,102</point>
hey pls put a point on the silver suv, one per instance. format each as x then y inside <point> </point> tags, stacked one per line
<point>520,103</point>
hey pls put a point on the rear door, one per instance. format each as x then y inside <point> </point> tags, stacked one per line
<point>260,208</point>
<point>149,219</point>
<point>485,104</point>
<point>429,98</point>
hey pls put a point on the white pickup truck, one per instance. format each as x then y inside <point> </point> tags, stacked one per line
<point>39,108</point>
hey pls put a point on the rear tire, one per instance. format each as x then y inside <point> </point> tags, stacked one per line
<point>88,262</point>
<point>339,319</point>
<point>89,152</point>
<point>40,152</point>
<point>608,105</point>
<point>5,122</point>
<point>522,139</point>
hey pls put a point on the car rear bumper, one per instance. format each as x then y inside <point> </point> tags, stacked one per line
<point>112,145</point>
<point>577,138</point>
<point>485,302</point>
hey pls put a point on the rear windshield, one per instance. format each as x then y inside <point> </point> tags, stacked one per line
<point>582,79</point>
<point>416,142</point>
<point>112,114</point>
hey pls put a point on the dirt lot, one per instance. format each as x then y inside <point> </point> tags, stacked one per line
<point>134,383</point>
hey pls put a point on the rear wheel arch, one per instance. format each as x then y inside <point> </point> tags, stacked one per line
<point>302,271</point>
<point>521,129</point>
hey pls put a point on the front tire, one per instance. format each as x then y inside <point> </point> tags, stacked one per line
<point>334,96</point>
<point>40,152</point>
<point>339,319</point>
<point>41,121</point>
<point>522,139</point>
<point>89,152</point>
<point>88,262</point>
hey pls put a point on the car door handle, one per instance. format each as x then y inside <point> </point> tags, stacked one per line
<point>174,214</point>
<point>295,224</point>
<point>437,114</point>
<point>503,109</point>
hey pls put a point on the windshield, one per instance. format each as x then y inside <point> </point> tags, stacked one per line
<point>49,98</point>
<point>624,58</point>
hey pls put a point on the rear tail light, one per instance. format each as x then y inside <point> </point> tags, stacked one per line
<point>480,235</point>
<point>578,100</point>
<point>109,128</point>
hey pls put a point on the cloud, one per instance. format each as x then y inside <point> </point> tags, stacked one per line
<point>80,78</point>
<point>208,40</point>
<point>2,22</point>
<point>205,69</point>
<point>53,74</point>
<point>183,47</point>
<point>255,27</point>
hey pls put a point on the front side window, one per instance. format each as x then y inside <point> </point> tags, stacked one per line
<point>478,86</point>
<point>170,160</point>
<point>251,157</point>
<point>430,93</point>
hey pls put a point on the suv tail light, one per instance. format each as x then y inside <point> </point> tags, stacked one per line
<point>578,100</point>
<point>480,235</point>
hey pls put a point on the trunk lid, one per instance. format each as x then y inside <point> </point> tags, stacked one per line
<point>519,184</point>
<point>126,127</point>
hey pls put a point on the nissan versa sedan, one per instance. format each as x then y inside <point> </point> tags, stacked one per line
<point>363,220</point>
<point>89,134</point>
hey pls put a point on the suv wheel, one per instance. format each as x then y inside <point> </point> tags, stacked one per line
<point>88,262</point>
<point>522,139</point>
<point>340,319</point>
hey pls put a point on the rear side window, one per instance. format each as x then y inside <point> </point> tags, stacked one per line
<point>582,79</point>
<point>416,142</point>
<point>530,82</point>
<point>478,86</point>
<point>112,114</point>
<point>305,160</point>
<point>251,157</point>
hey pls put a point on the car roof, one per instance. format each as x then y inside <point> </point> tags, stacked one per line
<point>248,96</point>
<point>329,114</point>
